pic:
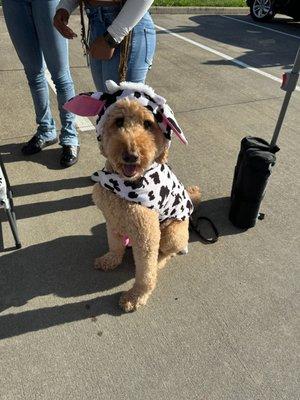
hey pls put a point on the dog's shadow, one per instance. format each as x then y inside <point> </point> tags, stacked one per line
<point>62,267</point>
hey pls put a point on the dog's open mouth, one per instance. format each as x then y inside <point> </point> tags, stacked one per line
<point>130,170</point>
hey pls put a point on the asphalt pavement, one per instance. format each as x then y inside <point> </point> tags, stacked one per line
<point>223,322</point>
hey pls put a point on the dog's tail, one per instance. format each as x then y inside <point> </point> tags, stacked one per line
<point>195,195</point>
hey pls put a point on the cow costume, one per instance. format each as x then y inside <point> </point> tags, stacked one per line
<point>158,189</point>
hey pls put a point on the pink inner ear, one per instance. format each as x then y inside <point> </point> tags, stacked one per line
<point>84,105</point>
<point>180,135</point>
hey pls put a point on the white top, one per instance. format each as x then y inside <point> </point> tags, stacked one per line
<point>131,13</point>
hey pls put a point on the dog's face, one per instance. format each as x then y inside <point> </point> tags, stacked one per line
<point>132,139</point>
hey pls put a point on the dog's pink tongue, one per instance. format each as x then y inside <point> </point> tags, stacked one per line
<point>129,170</point>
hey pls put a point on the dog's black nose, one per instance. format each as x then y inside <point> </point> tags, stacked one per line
<point>130,157</point>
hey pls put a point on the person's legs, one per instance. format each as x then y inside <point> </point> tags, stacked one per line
<point>142,50</point>
<point>55,51</point>
<point>22,30</point>
<point>100,18</point>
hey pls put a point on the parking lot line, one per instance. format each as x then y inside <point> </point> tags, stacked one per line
<point>223,55</point>
<point>260,26</point>
<point>82,123</point>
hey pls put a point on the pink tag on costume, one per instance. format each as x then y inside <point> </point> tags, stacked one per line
<point>84,105</point>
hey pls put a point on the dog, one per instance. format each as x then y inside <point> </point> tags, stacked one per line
<point>143,202</point>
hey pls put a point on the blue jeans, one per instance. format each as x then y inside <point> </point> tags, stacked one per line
<point>29,23</point>
<point>141,51</point>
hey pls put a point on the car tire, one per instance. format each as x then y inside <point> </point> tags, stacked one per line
<point>262,10</point>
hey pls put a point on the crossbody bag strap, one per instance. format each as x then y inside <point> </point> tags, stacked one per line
<point>84,39</point>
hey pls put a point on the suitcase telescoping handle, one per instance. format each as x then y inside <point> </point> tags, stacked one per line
<point>289,84</point>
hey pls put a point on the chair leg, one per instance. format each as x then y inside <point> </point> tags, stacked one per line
<point>13,226</point>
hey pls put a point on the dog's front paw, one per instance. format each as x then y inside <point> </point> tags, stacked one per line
<point>131,300</point>
<point>107,262</point>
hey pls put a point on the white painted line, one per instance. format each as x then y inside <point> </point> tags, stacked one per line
<point>262,27</point>
<point>83,124</point>
<point>225,56</point>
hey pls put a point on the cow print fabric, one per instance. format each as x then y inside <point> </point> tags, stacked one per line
<point>157,189</point>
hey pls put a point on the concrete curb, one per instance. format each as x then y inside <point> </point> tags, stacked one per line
<point>200,10</point>
<point>190,10</point>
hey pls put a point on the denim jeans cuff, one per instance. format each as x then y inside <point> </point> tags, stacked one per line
<point>68,142</point>
<point>49,135</point>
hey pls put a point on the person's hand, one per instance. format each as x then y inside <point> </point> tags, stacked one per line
<point>60,21</point>
<point>100,50</point>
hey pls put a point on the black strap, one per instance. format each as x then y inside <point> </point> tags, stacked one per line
<point>194,224</point>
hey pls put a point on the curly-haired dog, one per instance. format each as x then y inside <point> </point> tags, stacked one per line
<point>141,199</point>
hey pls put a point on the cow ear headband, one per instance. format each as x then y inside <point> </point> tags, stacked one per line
<point>98,103</point>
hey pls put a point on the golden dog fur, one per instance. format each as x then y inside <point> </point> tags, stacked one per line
<point>131,129</point>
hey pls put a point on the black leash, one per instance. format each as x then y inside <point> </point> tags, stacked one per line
<point>196,226</point>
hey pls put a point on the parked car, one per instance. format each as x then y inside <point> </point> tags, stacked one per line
<point>264,10</point>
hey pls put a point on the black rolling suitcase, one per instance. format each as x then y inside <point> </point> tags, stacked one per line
<point>255,162</point>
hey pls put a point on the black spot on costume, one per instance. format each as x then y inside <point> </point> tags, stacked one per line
<point>132,195</point>
<point>155,178</point>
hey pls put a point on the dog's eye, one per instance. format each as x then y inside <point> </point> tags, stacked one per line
<point>119,122</point>
<point>148,124</point>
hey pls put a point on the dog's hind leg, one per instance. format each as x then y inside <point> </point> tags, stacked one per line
<point>174,239</point>
<point>114,257</point>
